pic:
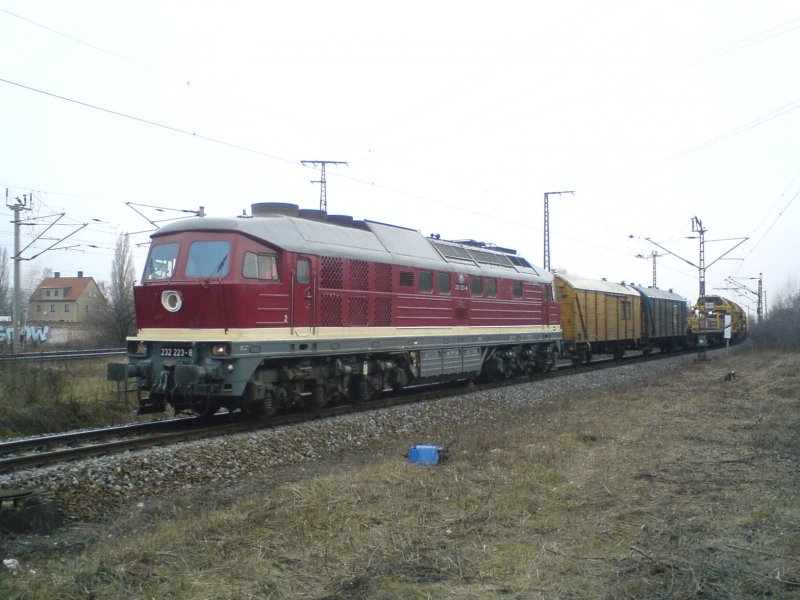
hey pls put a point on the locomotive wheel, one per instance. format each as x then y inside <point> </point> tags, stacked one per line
<point>260,408</point>
<point>361,391</point>
<point>205,407</point>
<point>319,398</point>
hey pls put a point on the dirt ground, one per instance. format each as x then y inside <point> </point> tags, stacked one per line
<point>678,488</point>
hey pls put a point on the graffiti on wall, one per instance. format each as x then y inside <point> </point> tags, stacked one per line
<point>38,334</point>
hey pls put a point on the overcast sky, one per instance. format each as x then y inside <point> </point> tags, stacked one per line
<point>454,117</point>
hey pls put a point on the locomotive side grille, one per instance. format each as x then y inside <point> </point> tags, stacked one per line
<point>331,310</point>
<point>359,310</point>
<point>383,312</point>
<point>359,275</point>
<point>383,277</point>
<point>332,273</point>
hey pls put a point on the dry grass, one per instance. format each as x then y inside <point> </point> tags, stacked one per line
<point>40,398</point>
<point>679,489</point>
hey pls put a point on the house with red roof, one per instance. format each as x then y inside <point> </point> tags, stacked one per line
<point>66,300</point>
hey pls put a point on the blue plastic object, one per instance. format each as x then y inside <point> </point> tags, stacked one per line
<point>424,454</point>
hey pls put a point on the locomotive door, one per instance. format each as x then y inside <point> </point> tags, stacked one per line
<point>303,298</point>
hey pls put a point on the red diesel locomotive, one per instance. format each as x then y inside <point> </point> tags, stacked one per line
<point>293,307</point>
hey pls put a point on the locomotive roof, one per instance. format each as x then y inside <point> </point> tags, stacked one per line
<point>597,285</point>
<point>373,241</point>
<point>649,292</point>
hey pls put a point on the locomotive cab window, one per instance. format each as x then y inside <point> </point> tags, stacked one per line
<point>260,266</point>
<point>476,284</point>
<point>425,281</point>
<point>303,270</point>
<point>161,263</point>
<point>444,283</point>
<point>208,259</point>
<point>517,289</point>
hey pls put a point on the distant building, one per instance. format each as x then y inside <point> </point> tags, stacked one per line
<point>66,300</point>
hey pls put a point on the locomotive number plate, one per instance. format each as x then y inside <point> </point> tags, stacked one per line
<point>176,352</point>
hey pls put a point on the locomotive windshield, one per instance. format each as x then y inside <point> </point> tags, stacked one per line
<point>161,264</point>
<point>208,259</point>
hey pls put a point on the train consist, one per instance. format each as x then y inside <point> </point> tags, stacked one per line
<point>296,308</point>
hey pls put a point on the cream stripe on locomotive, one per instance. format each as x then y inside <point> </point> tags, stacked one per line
<point>286,334</point>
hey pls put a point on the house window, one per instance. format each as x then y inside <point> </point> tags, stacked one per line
<point>425,281</point>
<point>66,308</point>
<point>444,283</point>
<point>477,286</point>
<point>38,308</point>
<point>491,288</point>
<point>47,293</point>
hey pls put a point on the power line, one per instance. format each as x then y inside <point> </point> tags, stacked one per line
<point>148,122</point>
<point>79,41</point>
<point>778,112</point>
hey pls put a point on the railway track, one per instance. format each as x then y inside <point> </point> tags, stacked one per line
<point>62,355</point>
<point>47,450</point>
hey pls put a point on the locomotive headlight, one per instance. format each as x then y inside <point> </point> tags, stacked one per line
<point>221,350</point>
<point>171,300</point>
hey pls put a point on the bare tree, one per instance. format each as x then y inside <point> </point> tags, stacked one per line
<point>120,317</point>
<point>781,328</point>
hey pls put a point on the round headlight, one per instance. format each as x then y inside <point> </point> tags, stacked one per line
<point>171,300</point>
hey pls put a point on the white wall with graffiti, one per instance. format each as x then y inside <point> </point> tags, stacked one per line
<point>36,334</point>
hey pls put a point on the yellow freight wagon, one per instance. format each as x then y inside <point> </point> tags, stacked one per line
<point>598,317</point>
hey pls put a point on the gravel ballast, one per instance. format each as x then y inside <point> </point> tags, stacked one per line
<point>88,489</point>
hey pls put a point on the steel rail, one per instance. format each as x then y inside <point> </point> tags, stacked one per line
<point>62,355</point>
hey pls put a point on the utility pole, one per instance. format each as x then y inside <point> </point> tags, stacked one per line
<point>697,227</point>
<point>547,195</point>
<point>654,255</point>
<point>323,197</point>
<point>738,286</point>
<point>18,206</point>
